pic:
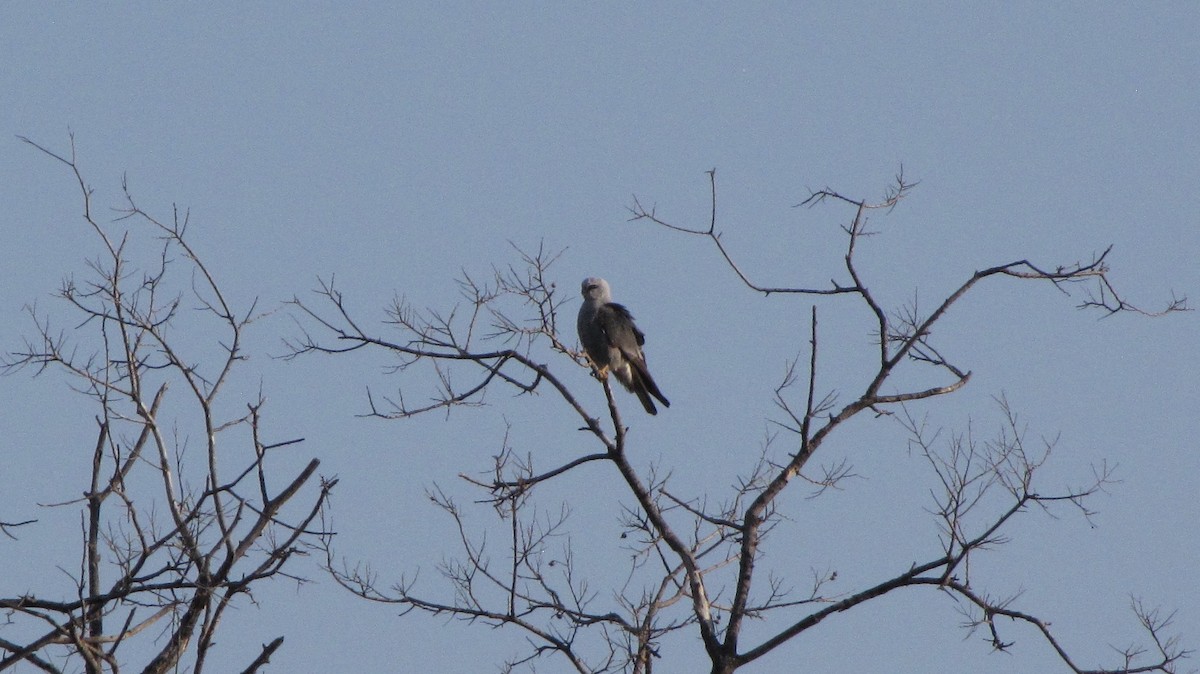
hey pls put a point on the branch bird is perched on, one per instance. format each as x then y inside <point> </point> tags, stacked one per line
<point>614,343</point>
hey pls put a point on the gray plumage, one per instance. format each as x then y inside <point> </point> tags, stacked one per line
<point>614,343</point>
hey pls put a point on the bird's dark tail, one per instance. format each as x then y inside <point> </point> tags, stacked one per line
<point>647,403</point>
<point>645,387</point>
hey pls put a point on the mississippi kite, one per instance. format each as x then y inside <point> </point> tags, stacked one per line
<point>614,343</point>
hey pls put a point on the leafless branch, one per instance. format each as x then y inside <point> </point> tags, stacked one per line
<point>232,530</point>
<point>693,564</point>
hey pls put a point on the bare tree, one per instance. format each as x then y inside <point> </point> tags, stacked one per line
<point>697,566</point>
<point>183,513</point>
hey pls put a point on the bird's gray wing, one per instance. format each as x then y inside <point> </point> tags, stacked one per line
<point>620,333</point>
<point>616,324</point>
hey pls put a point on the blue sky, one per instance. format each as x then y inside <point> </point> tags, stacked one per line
<point>394,146</point>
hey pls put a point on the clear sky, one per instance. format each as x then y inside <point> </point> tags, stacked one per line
<point>395,144</point>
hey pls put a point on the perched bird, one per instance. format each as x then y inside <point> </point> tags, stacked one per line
<point>614,343</point>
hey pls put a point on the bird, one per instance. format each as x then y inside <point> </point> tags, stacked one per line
<point>614,343</point>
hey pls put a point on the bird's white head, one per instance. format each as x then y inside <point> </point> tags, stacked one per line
<point>595,289</point>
